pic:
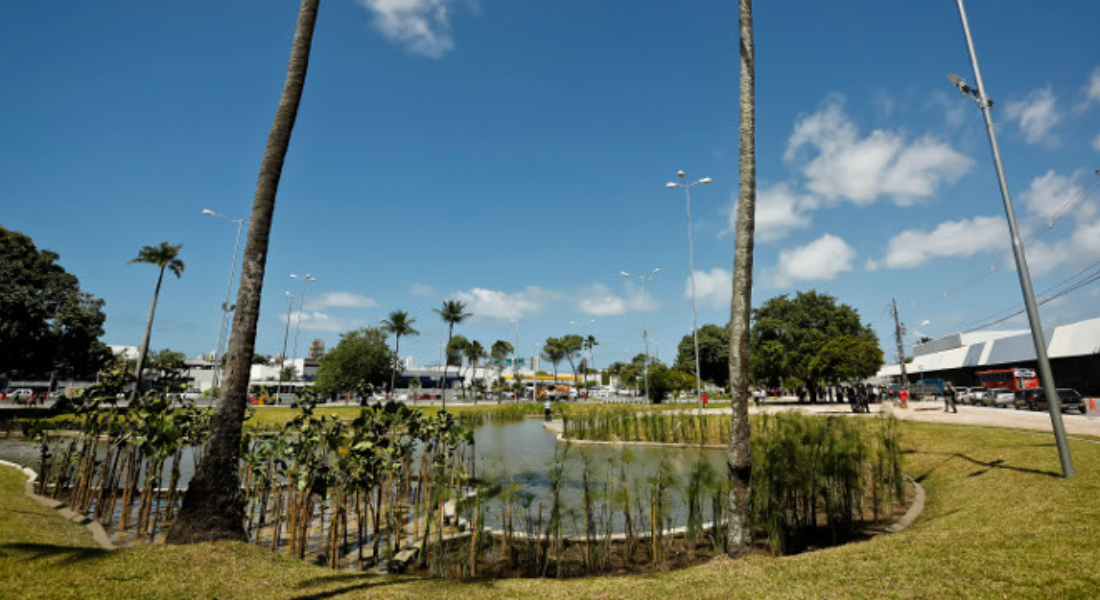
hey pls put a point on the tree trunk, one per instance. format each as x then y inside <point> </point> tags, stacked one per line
<point>213,507</point>
<point>393,375</point>
<point>738,454</point>
<point>145,340</point>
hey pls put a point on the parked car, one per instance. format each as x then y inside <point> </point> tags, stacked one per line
<point>1003,398</point>
<point>1036,399</point>
<point>986,397</point>
<point>20,394</point>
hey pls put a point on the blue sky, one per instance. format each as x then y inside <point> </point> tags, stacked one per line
<point>514,155</point>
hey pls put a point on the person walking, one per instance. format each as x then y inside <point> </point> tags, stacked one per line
<point>546,408</point>
<point>949,396</point>
<point>903,396</point>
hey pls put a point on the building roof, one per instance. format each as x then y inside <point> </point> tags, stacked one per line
<point>1077,339</point>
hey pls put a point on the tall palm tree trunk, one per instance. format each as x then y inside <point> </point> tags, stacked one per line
<point>393,376</point>
<point>145,340</point>
<point>446,363</point>
<point>738,454</point>
<point>213,508</point>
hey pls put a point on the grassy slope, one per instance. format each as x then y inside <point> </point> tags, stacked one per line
<point>997,524</point>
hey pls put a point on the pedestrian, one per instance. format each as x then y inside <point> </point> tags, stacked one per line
<point>903,395</point>
<point>546,408</point>
<point>949,395</point>
<point>3,396</point>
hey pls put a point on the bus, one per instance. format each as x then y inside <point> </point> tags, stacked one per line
<point>1012,380</point>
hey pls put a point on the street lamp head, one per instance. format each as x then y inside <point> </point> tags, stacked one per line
<point>208,212</point>
<point>624,274</point>
<point>671,185</point>
<point>655,270</point>
<point>705,180</point>
<point>294,276</point>
<point>680,174</point>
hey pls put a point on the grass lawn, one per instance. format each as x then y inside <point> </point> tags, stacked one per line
<point>999,523</point>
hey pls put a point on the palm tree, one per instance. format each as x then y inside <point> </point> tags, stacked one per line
<point>499,352</point>
<point>474,352</point>
<point>572,346</point>
<point>165,256</point>
<point>213,508</point>
<point>453,312</point>
<point>590,343</point>
<point>738,453</point>
<point>554,351</point>
<point>398,324</point>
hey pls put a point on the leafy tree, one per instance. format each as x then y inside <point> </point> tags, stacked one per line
<point>714,354</point>
<point>846,359</point>
<point>169,369</point>
<point>572,345</point>
<point>452,312</point>
<point>791,332</point>
<point>456,350</point>
<point>500,352</point>
<point>473,352</point>
<point>359,363</point>
<point>213,508</point>
<point>47,325</point>
<point>399,324</point>
<point>164,256</point>
<point>554,352</point>
<point>664,381</point>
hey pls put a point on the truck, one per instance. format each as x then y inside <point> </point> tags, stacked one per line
<point>927,387</point>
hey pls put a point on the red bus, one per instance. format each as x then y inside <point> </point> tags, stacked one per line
<point>1009,379</point>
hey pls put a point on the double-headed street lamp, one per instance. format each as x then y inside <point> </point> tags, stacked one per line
<point>228,290</point>
<point>645,320</point>
<point>1046,376</point>
<point>584,342</point>
<point>301,300</point>
<point>515,358</point>
<point>691,270</point>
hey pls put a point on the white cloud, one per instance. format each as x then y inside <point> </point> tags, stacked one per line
<point>421,290</point>
<point>1096,143</point>
<point>839,164</point>
<point>422,26</point>
<point>598,300</point>
<point>965,237</point>
<point>339,300</point>
<point>1037,115</point>
<point>712,288</point>
<point>1091,91</point>
<point>1051,194</point>
<point>820,260</point>
<point>779,211</point>
<point>503,306</point>
<point>319,321</point>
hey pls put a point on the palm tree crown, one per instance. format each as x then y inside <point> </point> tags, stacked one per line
<point>399,324</point>
<point>165,256</point>
<point>453,312</point>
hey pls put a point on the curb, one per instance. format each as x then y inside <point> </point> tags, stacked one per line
<point>62,509</point>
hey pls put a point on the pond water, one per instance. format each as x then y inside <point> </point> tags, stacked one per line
<point>526,453</point>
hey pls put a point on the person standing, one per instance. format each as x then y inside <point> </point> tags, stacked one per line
<point>949,395</point>
<point>903,396</point>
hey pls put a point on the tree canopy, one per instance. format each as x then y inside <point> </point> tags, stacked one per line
<point>714,354</point>
<point>47,324</point>
<point>788,334</point>
<point>359,363</point>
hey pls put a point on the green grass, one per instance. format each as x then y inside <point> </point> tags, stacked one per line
<point>999,523</point>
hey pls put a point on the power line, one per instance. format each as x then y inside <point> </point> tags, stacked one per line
<point>1063,287</point>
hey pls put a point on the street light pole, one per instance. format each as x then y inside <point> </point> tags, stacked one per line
<point>645,319</point>
<point>301,300</point>
<point>1046,375</point>
<point>282,357</point>
<point>515,357</point>
<point>228,290</point>
<point>691,270</point>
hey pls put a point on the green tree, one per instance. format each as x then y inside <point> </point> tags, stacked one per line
<point>165,257</point>
<point>473,352</point>
<point>500,352</point>
<point>399,324</point>
<point>793,331</point>
<point>739,450</point>
<point>714,354</point>
<point>554,352</point>
<point>170,370</point>
<point>47,324</point>
<point>572,345</point>
<point>452,312</point>
<point>213,508</point>
<point>360,363</point>
<point>846,359</point>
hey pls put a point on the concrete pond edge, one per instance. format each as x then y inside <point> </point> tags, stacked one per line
<point>62,509</point>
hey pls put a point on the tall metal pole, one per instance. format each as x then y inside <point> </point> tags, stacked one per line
<point>645,333</point>
<point>901,350</point>
<point>301,301</point>
<point>222,330</point>
<point>1046,376</point>
<point>286,335</point>
<point>694,310</point>
<point>515,363</point>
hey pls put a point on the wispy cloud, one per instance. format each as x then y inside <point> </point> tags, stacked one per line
<point>421,290</point>
<point>339,300</point>
<point>503,306</point>
<point>320,321</point>
<point>965,237</point>
<point>421,26</point>
<point>598,300</point>
<point>712,288</point>
<point>1036,115</point>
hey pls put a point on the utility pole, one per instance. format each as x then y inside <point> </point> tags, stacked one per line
<point>901,351</point>
<point>1046,375</point>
